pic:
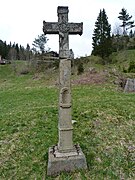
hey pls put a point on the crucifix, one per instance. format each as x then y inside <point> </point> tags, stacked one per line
<point>63,28</point>
<point>65,149</point>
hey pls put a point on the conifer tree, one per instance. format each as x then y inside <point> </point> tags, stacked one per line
<point>101,36</point>
<point>126,21</point>
<point>39,43</point>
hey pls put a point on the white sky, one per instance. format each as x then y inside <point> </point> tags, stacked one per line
<point>21,21</point>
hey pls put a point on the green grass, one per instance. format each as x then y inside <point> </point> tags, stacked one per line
<point>28,127</point>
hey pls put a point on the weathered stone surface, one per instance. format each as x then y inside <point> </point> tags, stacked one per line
<point>63,28</point>
<point>65,156</point>
<point>67,162</point>
<point>65,73</point>
<point>130,85</point>
<point>65,120</point>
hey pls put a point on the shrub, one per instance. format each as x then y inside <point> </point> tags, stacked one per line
<point>124,70</point>
<point>131,67</point>
<point>24,71</point>
<point>80,68</point>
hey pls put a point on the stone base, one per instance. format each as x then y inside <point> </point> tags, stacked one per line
<point>65,161</point>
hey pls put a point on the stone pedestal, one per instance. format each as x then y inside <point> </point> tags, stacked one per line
<point>68,161</point>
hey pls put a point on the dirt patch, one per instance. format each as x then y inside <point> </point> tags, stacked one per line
<point>88,78</point>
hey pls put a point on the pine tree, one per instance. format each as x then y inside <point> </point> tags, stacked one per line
<point>17,50</point>
<point>126,23</point>
<point>101,36</point>
<point>131,34</point>
<point>28,52</point>
<point>39,43</point>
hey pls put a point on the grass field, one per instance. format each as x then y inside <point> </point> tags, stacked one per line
<point>105,128</point>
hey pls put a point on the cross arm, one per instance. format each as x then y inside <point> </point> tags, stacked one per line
<point>76,28</point>
<point>50,27</point>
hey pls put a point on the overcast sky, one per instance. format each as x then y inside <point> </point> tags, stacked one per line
<point>21,21</point>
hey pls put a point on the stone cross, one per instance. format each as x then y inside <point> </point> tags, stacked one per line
<point>63,28</point>
<point>65,147</point>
